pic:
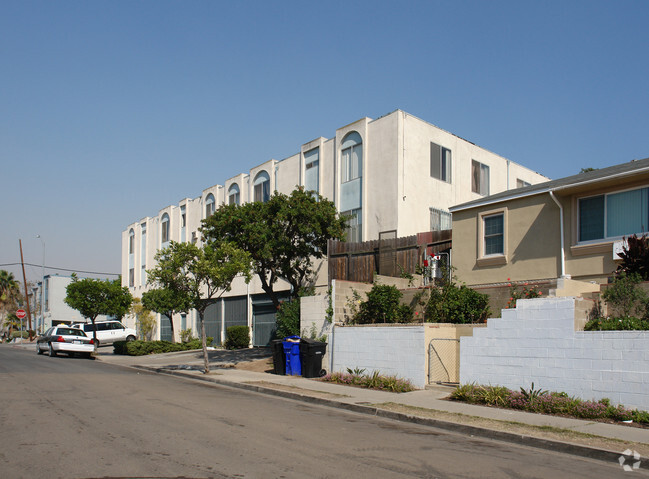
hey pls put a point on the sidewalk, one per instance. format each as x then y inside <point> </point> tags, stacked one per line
<point>423,406</point>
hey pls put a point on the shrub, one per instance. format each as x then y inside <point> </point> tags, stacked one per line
<point>616,324</point>
<point>383,305</point>
<point>453,304</point>
<point>237,337</point>
<point>635,257</point>
<point>288,319</point>
<point>535,400</point>
<point>186,335</point>
<point>625,295</point>
<point>527,293</point>
<point>370,381</point>
<point>142,348</point>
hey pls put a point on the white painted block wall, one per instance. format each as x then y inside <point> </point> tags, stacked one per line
<point>393,351</point>
<point>536,342</point>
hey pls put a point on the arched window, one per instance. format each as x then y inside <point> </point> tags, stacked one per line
<point>210,205</point>
<point>233,194</point>
<point>164,229</point>
<point>262,187</point>
<point>352,157</point>
<point>131,241</point>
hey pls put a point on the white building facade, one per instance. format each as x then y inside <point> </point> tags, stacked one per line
<point>396,174</point>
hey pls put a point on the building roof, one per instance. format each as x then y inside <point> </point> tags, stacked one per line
<point>581,179</point>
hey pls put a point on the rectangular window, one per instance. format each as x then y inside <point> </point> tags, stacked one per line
<point>440,220</point>
<point>143,276</point>
<point>613,215</point>
<point>143,253</point>
<point>352,163</point>
<point>131,277</point>
<point>479,178</point>
<point>183,216</point>
<point>440,162</point>
<point>493,232</point>
<point>233,199</point>
<point>262,191</point>
<point>521,184</point>
<point>131,243</point>
<point>183,321</point>
<point>354,226</point>
<point>312,170</point>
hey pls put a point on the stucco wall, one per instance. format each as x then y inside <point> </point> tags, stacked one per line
<point>392,350</point>
<point>536,342</point>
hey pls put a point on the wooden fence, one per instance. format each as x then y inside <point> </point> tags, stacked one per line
<point>389,257</point>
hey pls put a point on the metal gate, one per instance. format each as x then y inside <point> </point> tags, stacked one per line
<point>263,323</point>
<point>165,328</point>
<point>212,318</point>
<point>444,360</point>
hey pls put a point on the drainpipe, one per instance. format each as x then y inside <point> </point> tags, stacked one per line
<point>563,255</point>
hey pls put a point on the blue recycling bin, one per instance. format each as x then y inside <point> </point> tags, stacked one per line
<point>292,354</point>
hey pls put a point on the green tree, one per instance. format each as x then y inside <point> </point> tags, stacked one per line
<point>9,287</point>
<point>199,275</point>
<point>167,302</point>
<point>283,236</point>
<point>94,297</point>
<point>144,319</point>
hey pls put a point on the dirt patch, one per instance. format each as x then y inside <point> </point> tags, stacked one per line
<point>264,365</point>
<point>543,432</point>
<point>297,390</point>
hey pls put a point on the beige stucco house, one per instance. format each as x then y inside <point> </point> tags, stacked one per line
<point>566,228</point>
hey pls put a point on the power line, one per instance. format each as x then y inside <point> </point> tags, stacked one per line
<point>61,269</point>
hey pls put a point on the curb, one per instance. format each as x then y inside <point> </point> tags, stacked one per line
<point>520,439</point>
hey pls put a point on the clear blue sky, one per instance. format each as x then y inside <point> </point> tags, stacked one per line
<point>112,110</point>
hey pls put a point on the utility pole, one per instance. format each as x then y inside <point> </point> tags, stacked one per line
<point>29,314</point>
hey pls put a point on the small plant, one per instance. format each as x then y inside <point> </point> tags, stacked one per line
<point>238,337</point>
<point>329,313</point>
<point>526,293</point>
<point>186,335</point>
<point>532,394</point>
<point>356,371</point>
<point>373,381</point>
<point>625,295</point>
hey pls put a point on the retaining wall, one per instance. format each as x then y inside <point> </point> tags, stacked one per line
<point>537,342</point>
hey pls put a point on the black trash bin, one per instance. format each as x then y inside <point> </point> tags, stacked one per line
<point>279,360</point>
<point>311,353</point>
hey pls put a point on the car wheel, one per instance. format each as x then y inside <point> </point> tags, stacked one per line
<point>38,349</point>
<point>88,355</point>
<point>52,352</point>
<point>130,338</point>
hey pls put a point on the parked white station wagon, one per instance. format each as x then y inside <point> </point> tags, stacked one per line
<point>107,332</point>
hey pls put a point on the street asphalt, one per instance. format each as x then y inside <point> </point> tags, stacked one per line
<point>413,406</point>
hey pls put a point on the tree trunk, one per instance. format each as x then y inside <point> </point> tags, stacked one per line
<point>204,340</point>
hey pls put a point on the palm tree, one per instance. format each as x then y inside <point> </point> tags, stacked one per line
<point>9,287</point>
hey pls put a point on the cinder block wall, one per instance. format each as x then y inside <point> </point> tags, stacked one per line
<point>537,342</point>
<point>392,350</point>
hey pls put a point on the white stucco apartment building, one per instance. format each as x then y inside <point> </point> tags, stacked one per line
<point>396,173</point>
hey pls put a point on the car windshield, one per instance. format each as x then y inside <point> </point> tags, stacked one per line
<point>70,332</point>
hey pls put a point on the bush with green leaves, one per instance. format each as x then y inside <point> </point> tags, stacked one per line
<point>626,296</point>
<point>288,319</point>
<point>143,348</point>
<point>371,381</point>
<point>383,305</point>
<point>617,324</point>
<point>456,304</point>
<point>237,337</point>
<point>539,401</point>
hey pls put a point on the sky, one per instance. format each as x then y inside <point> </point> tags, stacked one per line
<point>112,110</point>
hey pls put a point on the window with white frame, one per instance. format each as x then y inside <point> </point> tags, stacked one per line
<point>262,187</point>
<point>164,229</point>
<point>613,215</point>
<point>352,157</point>
<point>440,162</point>
<point>493,232</point>
<point>354,226</point>
<point>312,170</point>
<point>233,194</point>
<point>210,205</point>
<point>479,178</point>
<point>440,220</point>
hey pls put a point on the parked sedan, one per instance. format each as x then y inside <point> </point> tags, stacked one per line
<point>64,339</point>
